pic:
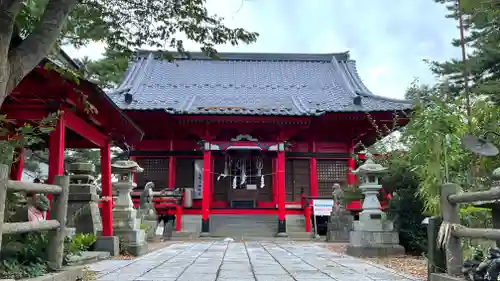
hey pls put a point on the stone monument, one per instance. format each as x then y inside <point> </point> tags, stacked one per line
<point>83,210</point>
<point>373,234</point>
<point>340,223</point>
<point>147,212</point>
<point>126,225</point>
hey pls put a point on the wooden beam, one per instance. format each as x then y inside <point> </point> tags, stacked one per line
<point>86,130</point>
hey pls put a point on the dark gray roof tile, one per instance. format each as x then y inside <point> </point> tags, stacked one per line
<point>249,84</point>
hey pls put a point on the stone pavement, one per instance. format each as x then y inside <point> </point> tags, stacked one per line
<point>244,261</point>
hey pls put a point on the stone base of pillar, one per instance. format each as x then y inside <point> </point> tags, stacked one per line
<point>109,244</point>
<point>205,227</point>
<point>282,228</point>
<point>374,244</point>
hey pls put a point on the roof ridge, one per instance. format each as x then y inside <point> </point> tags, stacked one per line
<point>246,56</point>
<point>382,98</point>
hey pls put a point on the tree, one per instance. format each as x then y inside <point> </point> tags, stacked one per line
<point>123,25</point>
<point>482,21</point>
<point>106,72</point>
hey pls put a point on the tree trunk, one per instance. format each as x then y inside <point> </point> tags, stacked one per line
<point>16,61</point>
<point>4,79</point>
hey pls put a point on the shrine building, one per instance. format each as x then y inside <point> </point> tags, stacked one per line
<point>251,132</point>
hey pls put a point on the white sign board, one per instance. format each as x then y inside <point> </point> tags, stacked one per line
<point>322,207</point>
<point>198,179</point>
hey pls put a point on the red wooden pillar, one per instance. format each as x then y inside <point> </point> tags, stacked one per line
<point>171,172</point>
<point>56,153</point>
<point>313,172</point>
<point>281,191</point>
<point>206,197</point>
<point>351,166</point>
<point>107,202</point>
<point>16,170</point>
<point>171,167</point>
<point>275,183</point>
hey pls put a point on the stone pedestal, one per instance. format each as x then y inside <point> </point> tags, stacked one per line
<point>126,225</point>
<point>109,244</point>
<point>150,229</point>
<point>374,237</point>
<point>373,234</point>
<point>125,222</point>
<point>340,222</point>
<point>83,211</point>
<point>339,227</point>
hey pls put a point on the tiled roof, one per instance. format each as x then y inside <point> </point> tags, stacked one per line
<point>249,84</point>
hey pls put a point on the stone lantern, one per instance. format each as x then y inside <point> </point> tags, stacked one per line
<point>124,169</point>
<point>369,175</point>
<point>126,225</point>
<point>373,234</point>
<point>83,211</point>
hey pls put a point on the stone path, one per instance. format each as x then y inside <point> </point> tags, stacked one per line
<point>248,261</point>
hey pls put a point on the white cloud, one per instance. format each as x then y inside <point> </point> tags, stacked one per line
<point>387,38</point>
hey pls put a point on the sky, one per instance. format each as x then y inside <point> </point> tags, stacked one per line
<point>389,39</point>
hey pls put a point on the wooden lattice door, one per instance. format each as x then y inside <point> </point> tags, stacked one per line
<point>296,179</point>
<point>155,170</point>
<point>330,172</point>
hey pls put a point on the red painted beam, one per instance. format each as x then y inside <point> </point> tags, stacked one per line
<point>26,114</point>
<point>80,143</point>
<point>86,130</point>
<point>244,119</point>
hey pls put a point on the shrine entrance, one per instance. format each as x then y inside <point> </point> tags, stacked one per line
<point>243,177</point>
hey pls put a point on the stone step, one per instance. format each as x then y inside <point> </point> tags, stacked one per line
<point>301,234</point>
<point>183,234</point>
<point>243,225</point>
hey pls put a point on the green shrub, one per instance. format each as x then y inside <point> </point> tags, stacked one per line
<point>83,242</point>
<point>25,255</point>
<point>406,207</point>
<point>475,217</point>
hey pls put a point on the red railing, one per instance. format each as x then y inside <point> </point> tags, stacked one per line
<point>306,208</point>
<point>163,206</point>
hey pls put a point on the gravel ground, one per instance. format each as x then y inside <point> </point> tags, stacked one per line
<point>412,265</point>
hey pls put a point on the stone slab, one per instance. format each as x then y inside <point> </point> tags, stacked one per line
<point>244,261</point>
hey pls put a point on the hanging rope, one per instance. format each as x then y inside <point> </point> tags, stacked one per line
<point>259,164</point>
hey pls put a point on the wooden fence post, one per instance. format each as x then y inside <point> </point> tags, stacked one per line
<point>58,235</point>
<point>450,214</point>
<point>436,260</point>
<point>4,177</point>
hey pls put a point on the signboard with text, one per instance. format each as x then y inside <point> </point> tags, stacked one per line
<point>198,179</point>
<point>322,207</point>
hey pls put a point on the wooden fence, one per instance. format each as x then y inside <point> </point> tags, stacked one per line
<point>451,196</point>
<point>56,226</point>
